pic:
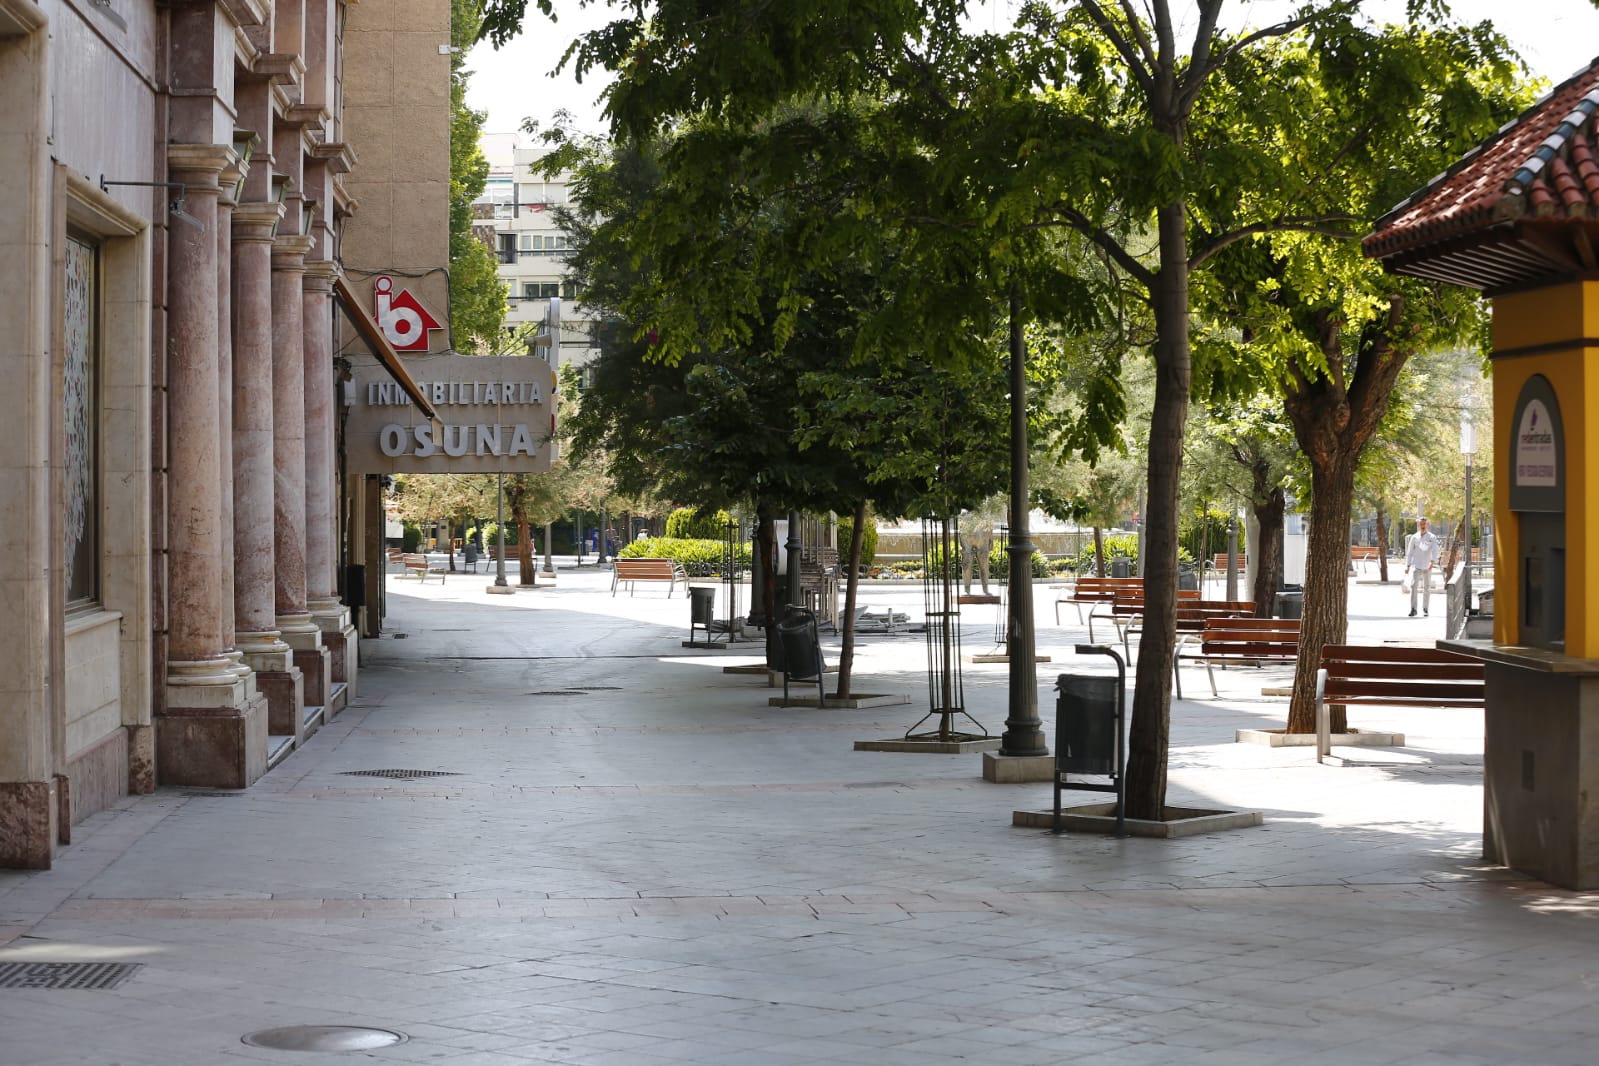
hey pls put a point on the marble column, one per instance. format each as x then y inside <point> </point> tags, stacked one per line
<point>254,603</point>
<point>224,236</point>
<point>212,730</point>
<point>321,500</point>
<point>294,620</point>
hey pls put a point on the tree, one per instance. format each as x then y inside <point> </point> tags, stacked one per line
<point>1336,328</point>
<point>1093,112</point>
<point>477,296</point>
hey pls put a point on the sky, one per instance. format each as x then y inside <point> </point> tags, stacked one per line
<point>1555,37</point>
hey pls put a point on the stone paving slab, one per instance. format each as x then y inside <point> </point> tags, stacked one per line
<point>636,860</point>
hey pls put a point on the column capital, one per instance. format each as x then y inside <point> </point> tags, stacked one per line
<point>289,251</point>
<point>256,222</point>
<point>319,275</point>
<point>200,166</point>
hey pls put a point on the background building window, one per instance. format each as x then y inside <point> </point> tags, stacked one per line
<point>81,354</point>
<point>527,242</point>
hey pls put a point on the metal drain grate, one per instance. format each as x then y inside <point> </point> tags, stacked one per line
<point>558,692</point>
<point>398,636</point>
<point>89,975</point>
<point>598,688</point>
<point>402,774</point>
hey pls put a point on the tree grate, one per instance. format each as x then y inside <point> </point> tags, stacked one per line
<point>95,976</point>
<point>399,774</point>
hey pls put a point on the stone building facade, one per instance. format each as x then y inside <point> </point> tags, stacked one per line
<point>186,178</point>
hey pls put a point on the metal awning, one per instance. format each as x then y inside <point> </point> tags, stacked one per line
<point>380,345</point>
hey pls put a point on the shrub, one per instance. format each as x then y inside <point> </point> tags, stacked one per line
<point>698,557</point>
<point>999,562</point>
<point>687,523</point>
<point>868,540</point>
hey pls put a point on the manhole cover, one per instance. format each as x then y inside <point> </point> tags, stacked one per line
<point>398,773</point>
<point>93,975</point>
<point>324,1038</point>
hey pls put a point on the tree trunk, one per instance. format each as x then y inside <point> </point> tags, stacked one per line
<point>846,654</point>
<point>1382,544</point>
<point>1326,605</point>
<point>1454,548</point>
<point>766,550</point>
<point>1268,506</point>
<point>1099,552</point>
<point>1150,732</point>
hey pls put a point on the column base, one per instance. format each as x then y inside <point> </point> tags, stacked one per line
<point>212,747</point>
<point>343,662</point>
<point>29,813</point>
<point>265,652</point>
<point>285,695</point>
<point>1015,769</point>
<point>315,667</point>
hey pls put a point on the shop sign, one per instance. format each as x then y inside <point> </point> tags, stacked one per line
<point>401,316</point>
<point>496,414</point>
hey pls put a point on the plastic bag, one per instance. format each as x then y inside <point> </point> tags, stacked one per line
<point>1404,586</point>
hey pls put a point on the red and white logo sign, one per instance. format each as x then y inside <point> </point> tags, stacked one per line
<point>403,320</point>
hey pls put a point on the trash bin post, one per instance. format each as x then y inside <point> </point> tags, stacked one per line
<point>1090,734</point>
<point>701,609</point>
<point>802,651</point>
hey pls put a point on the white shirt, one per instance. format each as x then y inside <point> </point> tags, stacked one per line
<point>1421,550</point>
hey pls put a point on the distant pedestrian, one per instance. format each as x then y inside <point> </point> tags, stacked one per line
<point>1421,552</point>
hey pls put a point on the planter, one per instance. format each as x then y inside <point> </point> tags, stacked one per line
<point>1101,818</point>
<point>1355,738</point>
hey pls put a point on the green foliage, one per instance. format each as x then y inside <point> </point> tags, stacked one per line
<point>700,558</point>
<point>410,536</point>
<point>693,524</point>
<point>1201,528</point>
<point>477,296</point>
<point>490,530</point>
<point>999,562</point>
<point>846,526</point>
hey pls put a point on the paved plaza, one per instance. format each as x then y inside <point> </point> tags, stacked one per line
<point>621,855</point>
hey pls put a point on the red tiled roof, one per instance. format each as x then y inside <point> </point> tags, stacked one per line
<point>1542,167</point>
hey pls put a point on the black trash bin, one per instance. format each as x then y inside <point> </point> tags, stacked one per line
<point>1121,566</point>
<point>801,650</point>
<point>1291,603</point>
<point>1085,724</point>
<point>701,609</point>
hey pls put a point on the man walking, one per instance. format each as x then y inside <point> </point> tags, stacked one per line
<point>1421,551</point>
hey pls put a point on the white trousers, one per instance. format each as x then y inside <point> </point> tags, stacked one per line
<point>1421,581</point>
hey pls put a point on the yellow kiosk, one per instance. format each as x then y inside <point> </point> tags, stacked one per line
<point>1519,219</point>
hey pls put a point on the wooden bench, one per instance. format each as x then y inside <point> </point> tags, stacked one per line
<point>1363,553</point>
<point>1127,610</point>
<point>628,571</point>
<point>1094,591</point>
<point>1241,640</point>
<point>417,563</point>
<point>1393,676</point>
<point>1218,562</point>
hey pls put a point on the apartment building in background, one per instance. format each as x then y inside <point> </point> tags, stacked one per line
<point>517,216</point>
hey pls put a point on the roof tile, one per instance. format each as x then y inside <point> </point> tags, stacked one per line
<point>1544,163</point>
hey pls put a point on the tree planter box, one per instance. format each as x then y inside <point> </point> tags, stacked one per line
<point>1101,818</point>
<point>1355,738</point>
